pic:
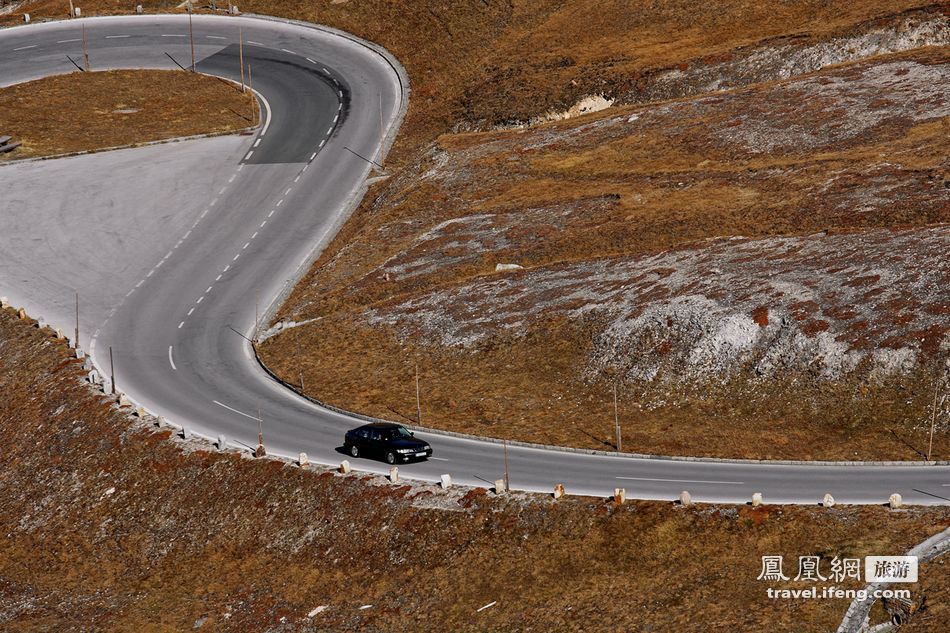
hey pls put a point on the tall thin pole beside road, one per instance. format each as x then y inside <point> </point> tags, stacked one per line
<point>617,420</point>
<point>76,340</point>
<point>241,56</point>
<point>191,35</point>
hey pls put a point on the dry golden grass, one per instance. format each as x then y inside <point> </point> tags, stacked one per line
<point>90,111</point>
<point>241,543</point>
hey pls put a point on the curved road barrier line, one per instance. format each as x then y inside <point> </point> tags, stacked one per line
<point>180,329</point>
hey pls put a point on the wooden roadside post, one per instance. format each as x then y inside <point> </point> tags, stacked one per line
<point>85,49</point>
<point>617,420</point>
<point>191,36</point>
<point>240,52</point>
<point>418,400</point>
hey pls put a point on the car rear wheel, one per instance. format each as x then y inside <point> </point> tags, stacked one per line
<point>390,457</point>
<point>354,450</point>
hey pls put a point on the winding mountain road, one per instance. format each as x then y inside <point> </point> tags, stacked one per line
<point>177,248</point>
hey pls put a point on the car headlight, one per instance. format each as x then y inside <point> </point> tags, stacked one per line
<point>406,450</point>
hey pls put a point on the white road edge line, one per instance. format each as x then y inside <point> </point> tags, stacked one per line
<point>170,359</point>
<point>684,481</point>
<point>23,48</point>
<point>235,410</point>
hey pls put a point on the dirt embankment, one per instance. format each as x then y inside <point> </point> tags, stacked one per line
<point>80,111</point>
<point>110,525</point>
<point>628,223</point>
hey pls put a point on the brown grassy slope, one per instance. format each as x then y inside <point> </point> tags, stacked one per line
<point>111,526</point>
<point>868,149</point>
<point>89,111</point>
<point>484,62</point>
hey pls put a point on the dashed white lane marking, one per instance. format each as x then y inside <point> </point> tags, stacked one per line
<point>246,244</point>
<point>129,293</point>
<point>337,117</point>
<point>170,359</point>
<point>236,257</point>
<point>150,273</point>
<point>312,156</point>
<point>218,278</point>
<point>226,268</point>
<point>339,92</point>
<point>221,404</point>
<point>117,37</point>
<point>181,325</point>
<point>249,154</point>
<point>289,189</point>
<point>78,39</point>
<point>297,178</point>
<point>254,43</point>
<point>191,311</point>
<point>683,481</point>
<point>322,143</point>
<point>23,48</point>
<point>231,179</point>
<point>141,281</point>
<point>257,142</point>
<point>329,130</point>
<point>223,189</point>
<point>280,202</point>
<point>254,236</point>
<point>271,212</point>
<point>187,234</point>
<point>324,69</point>
<point>208,290</point>
<point>441,459</point>
<point>213,202</point>
<point>200,299</point>
<point>173,35</point>
<point>287,51</point>
<point>311,61</point>
<point>215,37</point>
<point>263,223</point>
<point>240,167</point>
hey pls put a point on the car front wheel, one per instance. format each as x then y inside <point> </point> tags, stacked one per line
<point>390,457</point>
<point>354,451</point>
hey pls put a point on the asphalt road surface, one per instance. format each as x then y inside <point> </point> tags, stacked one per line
<point>177,248</point>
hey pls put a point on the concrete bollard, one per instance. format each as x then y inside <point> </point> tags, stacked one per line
<point>394,474</point>
<point>139,413</point>
<point>160,421</point>
<point>222,443</point>
<point>78,12</point>
<point>59,334</point>
<point>123,400</point>
<point>41,323</point>
<point>93,377</point>
<point>21,313</point>
<point>828,501</point>
<point>620,496</point>
<point>234,10</point>
<point>500,488</point>
<point>686,499</point>
<point>26,18</point>
<point>756,499</point>
<point>303,461</point>
<point>559,491</point>
<point>446,482</point>
<point>345,466</point>
<point>895,501</point>
<point>106,385</point>
<point>138,9</point>
<point>4,302</point>
<point>80,353</point>
<point>185,433</point>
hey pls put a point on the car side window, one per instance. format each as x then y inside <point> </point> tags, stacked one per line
<point>363,434</point>
<point>374,436</point>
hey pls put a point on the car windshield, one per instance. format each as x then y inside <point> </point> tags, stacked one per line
<point>399,433</point>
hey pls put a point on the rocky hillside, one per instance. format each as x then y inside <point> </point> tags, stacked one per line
<point>751,256</point>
